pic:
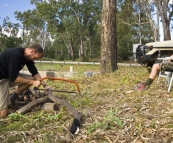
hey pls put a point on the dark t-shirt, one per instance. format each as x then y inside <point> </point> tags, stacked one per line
<point>12,61</point>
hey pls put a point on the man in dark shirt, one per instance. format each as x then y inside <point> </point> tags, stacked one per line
<point>11,62</point>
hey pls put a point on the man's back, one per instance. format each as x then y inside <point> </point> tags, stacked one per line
<point>11,62</point>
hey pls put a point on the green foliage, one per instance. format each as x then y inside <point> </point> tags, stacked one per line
<point>74,103</point>
<point>10,40</point>
<point>107,123</point>
<point>129,28</point>
<point>15,116</point>
<point>55,117</point>
<point>73,22</point>
<point>126,79</point>
<point>3,38</point>
<point>9,43</point>
<point>34,28</point>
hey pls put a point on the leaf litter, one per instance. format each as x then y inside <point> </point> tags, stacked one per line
<point>113,112</point>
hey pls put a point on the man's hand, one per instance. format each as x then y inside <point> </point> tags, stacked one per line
<point>46,87</point>
<point>36,83</point>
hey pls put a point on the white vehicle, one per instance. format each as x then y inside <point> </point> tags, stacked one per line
<point>147,54</point>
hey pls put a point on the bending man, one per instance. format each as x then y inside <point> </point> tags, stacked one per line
<point>11,62</point>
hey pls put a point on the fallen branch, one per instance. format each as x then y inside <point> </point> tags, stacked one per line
<point>50,106</point>
<point>77,115</point>
<point>58,102</point>
<point>32,104</point>
<point>55,99</point>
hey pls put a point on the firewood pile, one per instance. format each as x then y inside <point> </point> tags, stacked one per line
<point>28,97</point>
<point>46,100</point>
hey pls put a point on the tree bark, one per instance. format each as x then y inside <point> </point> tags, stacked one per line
<point>32,104</point>
<point>108,61</point>
<point>162,6</point>
<point>50,106</point>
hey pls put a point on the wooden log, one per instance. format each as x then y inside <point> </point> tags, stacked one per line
<point>32,104</point>
<point>22,96</point>
<point>50,106</point>
<point>18,105</point>
<point>34,95</point>
<point>76,114</point>
<point>21,103</point>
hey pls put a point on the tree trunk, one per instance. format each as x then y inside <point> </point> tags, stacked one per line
<point>108,61</point>
<point>162,7</point>
<point>81,55</point>
<point>72,50</point>
<point>90,48</point>
<point>166,29</point>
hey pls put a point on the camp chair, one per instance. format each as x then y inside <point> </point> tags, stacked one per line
<point>166,74</point>
<point>169,77</point>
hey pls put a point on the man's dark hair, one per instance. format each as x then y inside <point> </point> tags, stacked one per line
<point>37,48</point>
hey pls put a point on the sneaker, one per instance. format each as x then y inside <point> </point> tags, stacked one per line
<point>140,87</point>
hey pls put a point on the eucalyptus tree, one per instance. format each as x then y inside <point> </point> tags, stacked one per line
<point>126,20</point>
<point>133,27</point>
<point>3,38</point>
<point>9,34</point>
<point>11,29</point>
<point>162,9</point>
<point>10,43</point>
<point>59,53</point>
<point>130,15</point>
<point>34,27</point>
<point>92,17</point>
<point>70,19</point>
<point>148,8</point>
<point>108,61</point>
<point>165,11</point>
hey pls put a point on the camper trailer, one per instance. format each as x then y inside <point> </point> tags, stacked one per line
<point>148,53</point>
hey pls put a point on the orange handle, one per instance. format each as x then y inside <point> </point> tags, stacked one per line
<point>54,78</point>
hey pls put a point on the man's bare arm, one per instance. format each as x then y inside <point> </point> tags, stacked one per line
<point>38,77</point>
<point>21,80</point>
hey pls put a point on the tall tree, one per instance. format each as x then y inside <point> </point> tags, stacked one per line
<point>164,10</point>
<point>10,43</point>
<point>108,38</point>
<point>165,13</point>
<point>148,8</point>
<point>9,34</point>
<point>72,20</point>
<point>34,27</point>
<point>11,29</point>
